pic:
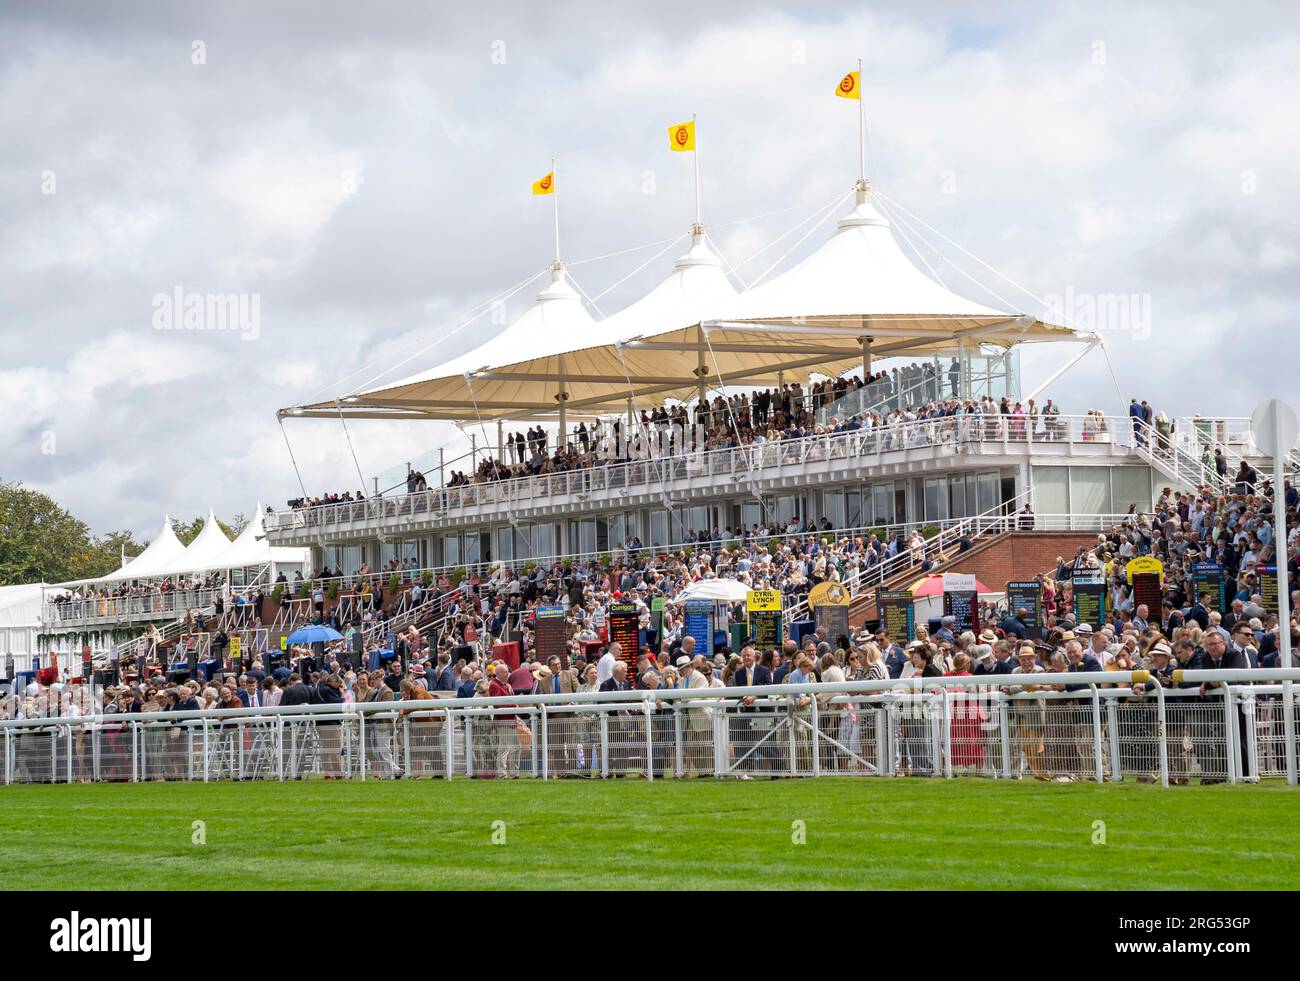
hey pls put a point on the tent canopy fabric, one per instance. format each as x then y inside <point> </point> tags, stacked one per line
<point>933,586</point>
<point>856,296</point>
<point>158,555</point>
<point>722,590</point>
<point>210,542</point>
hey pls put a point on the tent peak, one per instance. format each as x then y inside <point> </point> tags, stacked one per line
<point>864,212</point>
<point>699,254</point>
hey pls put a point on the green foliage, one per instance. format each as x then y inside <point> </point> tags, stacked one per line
<point>332,591</point>
<point>277,594</point>
<point>187,531</point>
<point>42,542</point>
<point>426,577</point>
<point>929,531</point>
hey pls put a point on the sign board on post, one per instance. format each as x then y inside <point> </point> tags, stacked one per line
<point>697,622</point>
<point>961,601</point>
<point>1207,577</point>
<point>624,623</point>
<point>1266,583</point>
<point>236,652</point>
<point>1145,574</point>
<point>897,611</point>
<point>551,634</point>
<point>763,608</point>
<point>1089,599</point>
<point>830,605</point>
<point>1027,595</point>
<point>657,621</point>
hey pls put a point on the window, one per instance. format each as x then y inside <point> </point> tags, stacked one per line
<point>450,550</point>
<point>1089,490</point>
<point>1129,486</point>
<point>935,499</point>
<point>659,528</point>
<point>1051,490</point>
<point>882,504</point>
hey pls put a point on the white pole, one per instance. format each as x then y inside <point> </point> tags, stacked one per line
<point>1280,558</point>
<point>555,199</point>
<point>698,212</point>
<point>862,128</point>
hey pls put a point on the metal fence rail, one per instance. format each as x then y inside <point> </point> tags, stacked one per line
<point>1108,727</point>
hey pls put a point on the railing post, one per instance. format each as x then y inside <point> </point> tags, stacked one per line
<point>679,768</point>
<point>469,745</point>
<point>1288,730</point>
<point>545,741</point>
<point>604,744</point>
<point>1249,708</point>
<point>946,728</point>
<point>648,711</point>
<point>135,751</point>
<point>207,726</point>
<point>1112,731</point>
<point>1004,730</point>
<point>406,744</point>
<point>816,738</point>
<point>1230,748</point>
<point>189,754</point>
<point>449,736</point>
<point>1161,728</point>
<point>361,744</point>
<point>1097,750</point>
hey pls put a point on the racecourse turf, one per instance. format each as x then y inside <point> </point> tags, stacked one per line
<point>630,834</point>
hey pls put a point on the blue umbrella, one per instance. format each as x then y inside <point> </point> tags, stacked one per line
<point>314,634</point>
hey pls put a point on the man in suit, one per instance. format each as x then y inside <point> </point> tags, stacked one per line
<point>622,725</point>
<point>745,732</point>
<point>562,739</point>
<point>1217,655</point>
<point>699,743</point>
<point>295,692</point>
<point>1200,611</point>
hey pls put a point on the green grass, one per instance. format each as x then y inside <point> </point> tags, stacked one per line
<point>698,834</point>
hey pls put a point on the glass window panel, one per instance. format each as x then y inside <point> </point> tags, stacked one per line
<point>1051,493</point>
<point>1089,490</point>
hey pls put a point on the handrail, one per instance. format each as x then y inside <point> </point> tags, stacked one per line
<point>738,462</point>
<point>639,696</point>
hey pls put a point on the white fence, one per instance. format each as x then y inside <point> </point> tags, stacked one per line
<point>938,727</point>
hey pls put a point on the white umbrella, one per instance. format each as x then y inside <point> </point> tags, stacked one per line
<point>720,590</point>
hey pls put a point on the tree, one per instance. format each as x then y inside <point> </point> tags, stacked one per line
<point>42,542</point>
<point>187,531</point>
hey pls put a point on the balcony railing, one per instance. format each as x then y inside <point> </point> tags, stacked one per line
<point>735,463</point>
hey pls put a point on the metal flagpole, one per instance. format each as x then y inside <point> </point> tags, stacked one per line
<point>696,129</point>
<point>862,129</point>
<point>555,199</point>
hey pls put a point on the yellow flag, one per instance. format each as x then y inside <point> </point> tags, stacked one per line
<point>849,87</point>
<point>682,136</point>
<point>546,185</point>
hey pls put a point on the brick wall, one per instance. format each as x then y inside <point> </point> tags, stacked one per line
<point>1014,555</point>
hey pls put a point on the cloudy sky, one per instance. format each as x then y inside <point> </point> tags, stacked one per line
<point>363,170</point>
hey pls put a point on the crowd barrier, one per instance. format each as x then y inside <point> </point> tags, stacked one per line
<point>1241,730</point>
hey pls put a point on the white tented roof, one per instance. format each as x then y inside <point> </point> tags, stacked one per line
<point>697,289</point>
<point>251,548</point>
<point>556,321</point>
<point>157,557</point>
<point>210,542</point>
<point>860,270</point>
<point>856,296</point>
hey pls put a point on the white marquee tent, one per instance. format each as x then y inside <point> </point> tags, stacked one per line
<point>856,297</point>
